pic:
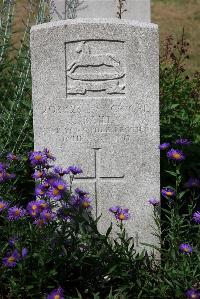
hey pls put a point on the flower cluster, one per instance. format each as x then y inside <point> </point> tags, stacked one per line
<point>15,213</point>
<point>12,258</point>
<point>81,199</point>
<point>5,175</point>
<point>3,205</point>
<point>192,294</point>
<point>193,183</point>
<point>154,202</point>
<point>56,294</point>
<point>185,248</point>
<point>41,212</point>
<point>12,157</point>
<point>183,141</point>
<point>120,214</point>
<point>168,192</point>
<point>175,154</point>
<point>196,217</point>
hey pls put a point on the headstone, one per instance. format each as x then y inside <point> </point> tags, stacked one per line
<point>139,10</point>
<point>95,104</point>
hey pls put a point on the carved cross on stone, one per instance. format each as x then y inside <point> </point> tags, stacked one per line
<point>97,176</point>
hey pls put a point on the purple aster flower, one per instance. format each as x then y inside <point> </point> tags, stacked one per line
<point>33,208</point>
<point>40,190</point>
<point>49,155</point>
<point>86,202</point>
<point>3,205</point>
<point>3,175</point>
<point>11,175</point>
<point>11,157</point>
<point>75,201</point>
<point>60,185</point>
<point>120,214</point>
<point>55,194</point>
<point>2,166</point>
<point>196,217</point>
<point>164,146</point>
<point>24,252</point>
<point>12,241</point>
<point>176,155</point>
<point>37,158</point>
<point>80,192</point>
<point>185,248</point>
<point>192,294</point>
<point>63,213</point>
<point>16,213</point>
<point>39,174</point>
<point>168,192</point>
<point>61,172</point>
<point>114,209</point>
<point>51,178</point>
<point>75,170</point>
<point>11,259</point>
<point>43,205</point>
<point>56,294</point>
<point>47,216</point>
<point>39,222</point>
<point>182,141</point>
<point>193,183</point>
<point>154,202</point>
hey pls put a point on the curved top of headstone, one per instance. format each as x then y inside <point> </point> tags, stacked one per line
<point>139,10</point>
<point>95,21</point>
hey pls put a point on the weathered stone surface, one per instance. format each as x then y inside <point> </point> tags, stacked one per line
<point>139,10</point>
<point>95,104</point>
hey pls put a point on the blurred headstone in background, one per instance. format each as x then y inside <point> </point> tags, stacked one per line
<point>139,10</point>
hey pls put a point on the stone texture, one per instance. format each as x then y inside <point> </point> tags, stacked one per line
<point>139,10</point>
<point>96,105</point>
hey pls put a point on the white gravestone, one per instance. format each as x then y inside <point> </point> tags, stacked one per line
<point>139,10</point>
<point>96,105</point>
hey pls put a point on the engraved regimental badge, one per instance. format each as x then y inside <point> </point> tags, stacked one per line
<point>95,68</point>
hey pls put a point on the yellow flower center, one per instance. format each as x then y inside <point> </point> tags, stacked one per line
<point>2,205</point>
<point>1,174</point>
<point>168,193</point>
<point>121,216</point>
<point>60,187</point>
<point>38,157</point>
<point>17,212</point>
<point>176,155</point>
<point>194,296</point>
<point>55,191</point>
<point>186,249</point>
<point>11,259</point>
<point>41,192</point>
<point>57,297</point>
<point>34,207</point>
<point>86,204</point>
<point>43,205</point>
<point>48,215</point>
<point>40,222</point>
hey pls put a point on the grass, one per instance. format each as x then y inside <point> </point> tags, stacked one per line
<point>174,15</point>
